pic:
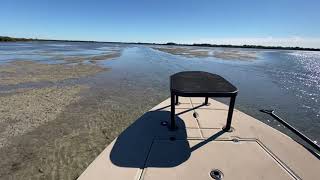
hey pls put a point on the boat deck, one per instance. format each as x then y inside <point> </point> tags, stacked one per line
<point>253,150</point>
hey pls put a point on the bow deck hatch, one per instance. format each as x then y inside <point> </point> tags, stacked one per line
<point>183,159</point>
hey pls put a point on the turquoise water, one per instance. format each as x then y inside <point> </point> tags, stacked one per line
<point>288,81</point>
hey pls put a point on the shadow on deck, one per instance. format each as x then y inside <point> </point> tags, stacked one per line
<point>146,143</point>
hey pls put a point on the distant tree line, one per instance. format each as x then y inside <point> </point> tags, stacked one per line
<point>11,39</point>
<point>257,47</point>
<point>240,46</point>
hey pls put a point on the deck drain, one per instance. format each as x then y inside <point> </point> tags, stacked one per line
<point>164,123</point>
<point>195,115</point>
<point>235,140</point>
<point>216,174</point>
<point>230,130</point>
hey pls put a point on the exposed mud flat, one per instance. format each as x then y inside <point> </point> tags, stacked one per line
<point>28,109</point>
<point>48,129</point>
<point>55,130</point>
<point>227,54</point>
<point>62,148</point>
<point>28,71</point>
<point>92,59</point>
<point>235,55</point>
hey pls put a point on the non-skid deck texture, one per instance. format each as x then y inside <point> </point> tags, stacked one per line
<point>147,150</point>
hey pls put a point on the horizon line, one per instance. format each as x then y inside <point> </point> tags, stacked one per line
<point>19,39</point>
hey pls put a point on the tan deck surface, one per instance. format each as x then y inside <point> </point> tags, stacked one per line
<point>253,150</point>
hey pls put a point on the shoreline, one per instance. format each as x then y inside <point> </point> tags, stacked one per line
<point>226,54</point>
<point>246,46</point>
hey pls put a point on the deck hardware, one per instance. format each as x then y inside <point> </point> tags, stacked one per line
<point>216,174</point>
<point>294,130</point>
<point>235,140</point>
<point>164,123</point>
<point>229,131</point>
<point>177,101</point>
<point>206,102</point>
<point>195,115</point>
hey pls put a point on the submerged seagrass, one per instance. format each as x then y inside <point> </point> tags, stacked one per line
<point>27,71</point>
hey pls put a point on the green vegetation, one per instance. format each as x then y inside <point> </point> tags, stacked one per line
<point>171,43</point>
<point>11,39</point>
<point>257,47</point>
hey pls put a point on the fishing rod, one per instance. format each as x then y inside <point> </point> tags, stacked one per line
<point>294,130</point>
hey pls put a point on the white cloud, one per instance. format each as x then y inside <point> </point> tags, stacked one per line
<point>265,41</point>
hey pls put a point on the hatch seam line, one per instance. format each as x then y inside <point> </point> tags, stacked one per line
<point>145,161</point>
<point>282,164</point>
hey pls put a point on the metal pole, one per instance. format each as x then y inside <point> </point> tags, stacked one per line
<point>294,130</point>
<point>206,101</point>
<point>177,100</point>
<point>230,113</point>
<point>173,122</point>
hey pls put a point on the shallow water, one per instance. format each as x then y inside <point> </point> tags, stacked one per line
<point>288,81</point>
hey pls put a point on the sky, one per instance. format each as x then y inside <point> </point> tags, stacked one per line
<point>238,22</point>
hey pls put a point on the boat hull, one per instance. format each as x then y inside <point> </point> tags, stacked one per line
<point>147,149</point>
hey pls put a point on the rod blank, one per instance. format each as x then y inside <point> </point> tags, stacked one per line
<point>294,130</point>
